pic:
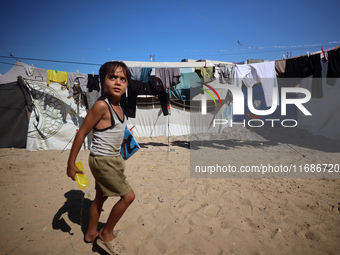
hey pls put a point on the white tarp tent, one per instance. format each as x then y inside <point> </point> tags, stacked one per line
<point>325,119</point>
<point>151,122</point>
<point>55,118</point>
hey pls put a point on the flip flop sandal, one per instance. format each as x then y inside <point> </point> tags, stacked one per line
<point>113,247</point>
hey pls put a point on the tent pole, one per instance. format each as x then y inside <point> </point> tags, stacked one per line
<point>169,108</point>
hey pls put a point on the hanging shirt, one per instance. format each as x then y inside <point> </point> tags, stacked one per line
<point>263,73</point>
<point>152,87</point>
<point>60,77</point>
<point>304,66</point>
<point>168,77</point>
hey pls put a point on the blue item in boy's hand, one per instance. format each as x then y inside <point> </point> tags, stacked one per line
<point>129,145</point>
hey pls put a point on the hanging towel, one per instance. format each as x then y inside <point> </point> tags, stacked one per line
<point>60,77</point>
<point>168,77</point>
<point>280,67</point>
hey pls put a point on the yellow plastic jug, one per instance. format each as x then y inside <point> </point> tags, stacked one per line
<point>81,179</point>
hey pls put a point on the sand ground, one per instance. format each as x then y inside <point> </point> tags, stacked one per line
<point>44,212</point>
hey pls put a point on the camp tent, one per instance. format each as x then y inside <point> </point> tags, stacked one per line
<point>325,119</point>
<point>53,120</point>
<point>15,109</point>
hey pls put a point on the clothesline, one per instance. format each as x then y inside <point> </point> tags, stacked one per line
<point>194,64</point>
<point>190,64</point>
<point>321,52</point>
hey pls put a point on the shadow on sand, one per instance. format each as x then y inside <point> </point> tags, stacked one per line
<point>260,137</point>
<point>77,209</point>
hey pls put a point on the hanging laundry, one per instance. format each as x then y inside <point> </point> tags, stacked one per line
<point>229,98</point>
<point>81,79</point>
<point>226,74</point>
<point>187,70</point>
<point>188,87</point>
<point>152,87</point>
<point>145,74</point>
<point>251,74</point>
<point>280,67</point>
<point>206,73</point>
<point>168,77</point>
<point>333,70</point>
<point>93,82</point>
<point>93,87</point>
<point>304,66</point>
<point>59,77</point>
<point>78,95</point>
<point>325,54</point>
<point>135,73</point>
<point>29,70</point>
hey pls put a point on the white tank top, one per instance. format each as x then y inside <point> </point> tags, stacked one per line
<point>108,141</point>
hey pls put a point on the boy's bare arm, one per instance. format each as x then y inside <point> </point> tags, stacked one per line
<point>93,116</point>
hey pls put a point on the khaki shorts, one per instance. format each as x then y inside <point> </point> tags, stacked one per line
<point>109,175</point>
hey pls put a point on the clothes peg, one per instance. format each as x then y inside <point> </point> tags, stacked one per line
<point>92,73</point>
<point>205,65</point>
<point>336,48</point>
<point>56,70</point>
<point>235,63</point>
<point>77,71</point>
<point>308,53</point>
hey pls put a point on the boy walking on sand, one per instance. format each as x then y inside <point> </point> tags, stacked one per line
<point>108,122</point>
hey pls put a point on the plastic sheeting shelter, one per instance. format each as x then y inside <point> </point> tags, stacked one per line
<point>15,109</point>
<point>54,118</point>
